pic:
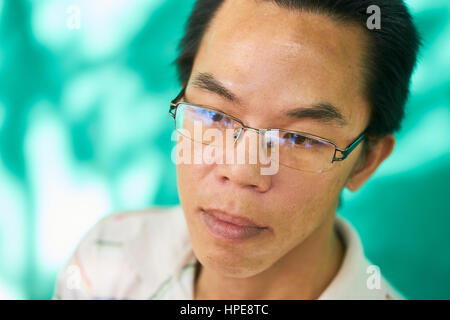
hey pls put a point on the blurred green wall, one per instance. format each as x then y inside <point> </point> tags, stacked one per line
<point>84,132</point>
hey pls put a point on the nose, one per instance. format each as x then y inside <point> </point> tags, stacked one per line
<point>248,174</point>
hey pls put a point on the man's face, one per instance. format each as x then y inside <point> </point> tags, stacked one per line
<point>273,60</point>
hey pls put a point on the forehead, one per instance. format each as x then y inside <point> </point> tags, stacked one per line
<point>284,57</point>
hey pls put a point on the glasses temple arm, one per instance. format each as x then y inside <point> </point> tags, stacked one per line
<point>173,103</point>
<point>345,152</point>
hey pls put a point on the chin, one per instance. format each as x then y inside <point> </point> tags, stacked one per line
<point>231,267</point>
<point>229,262</point>
<point>237,259</point>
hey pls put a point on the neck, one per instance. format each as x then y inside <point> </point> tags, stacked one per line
<point>303,273</point>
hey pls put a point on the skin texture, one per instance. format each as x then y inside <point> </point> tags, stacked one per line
<point>273,60</point>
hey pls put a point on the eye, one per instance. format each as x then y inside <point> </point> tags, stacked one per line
<point>299,140</point>
<point>216,116</point>
<point>213,115</point>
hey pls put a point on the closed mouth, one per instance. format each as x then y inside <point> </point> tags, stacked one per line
<point>233,219</point>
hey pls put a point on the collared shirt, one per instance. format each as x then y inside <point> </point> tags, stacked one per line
<point>148,255</point>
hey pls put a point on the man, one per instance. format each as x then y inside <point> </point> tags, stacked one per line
<point>336,89</point>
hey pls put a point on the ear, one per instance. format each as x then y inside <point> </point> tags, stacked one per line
<point>377,154</point>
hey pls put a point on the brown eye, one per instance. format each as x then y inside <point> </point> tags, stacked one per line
<point>299,140</point>
<point>216,116</point>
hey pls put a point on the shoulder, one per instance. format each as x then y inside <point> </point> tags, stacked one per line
<point>358,278</point>
<point>123,255</point>
<point>123,227</point>
<point>377,287</point>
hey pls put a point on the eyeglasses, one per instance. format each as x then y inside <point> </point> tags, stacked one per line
<point>297,150</point>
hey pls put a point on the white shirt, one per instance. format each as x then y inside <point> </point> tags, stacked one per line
<point>148,255</point>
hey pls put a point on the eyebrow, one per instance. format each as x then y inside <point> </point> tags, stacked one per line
<point>323,112</point>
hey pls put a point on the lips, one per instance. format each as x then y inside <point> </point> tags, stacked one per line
<point>229,227</point>
<point>232,218</point>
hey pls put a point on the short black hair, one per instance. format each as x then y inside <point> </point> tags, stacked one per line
<point>390,57</point>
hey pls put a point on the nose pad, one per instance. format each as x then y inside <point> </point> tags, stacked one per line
<point>262,137</point>
<point>237,134</point>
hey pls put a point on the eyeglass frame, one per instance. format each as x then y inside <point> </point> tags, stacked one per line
<point>345,152</point>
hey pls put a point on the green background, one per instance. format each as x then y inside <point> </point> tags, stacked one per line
<point>85,132</point>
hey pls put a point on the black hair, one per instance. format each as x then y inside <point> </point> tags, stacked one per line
<point>390,58</point>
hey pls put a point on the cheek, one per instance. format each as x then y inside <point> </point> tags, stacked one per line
<point>303,202</point>
<point>305,191</point>
<point>188,167</point>
<point>186,174</point>
<point>191,181</point>
<point>189,194</point>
